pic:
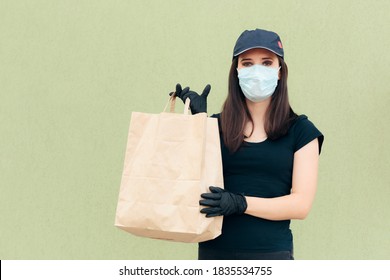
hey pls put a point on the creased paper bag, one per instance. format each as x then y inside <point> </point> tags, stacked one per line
<point>170,160</point>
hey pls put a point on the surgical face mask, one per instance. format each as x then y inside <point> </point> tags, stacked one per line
<point>258,82</point>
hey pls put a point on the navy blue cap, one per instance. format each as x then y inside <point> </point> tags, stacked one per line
<point>258,38</point>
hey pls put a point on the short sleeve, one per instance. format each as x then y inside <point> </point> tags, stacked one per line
<point>305,132</point>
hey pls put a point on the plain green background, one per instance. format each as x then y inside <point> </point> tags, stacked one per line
<point>71,73</point>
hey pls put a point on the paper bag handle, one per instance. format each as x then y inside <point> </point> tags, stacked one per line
<point>172,101</point>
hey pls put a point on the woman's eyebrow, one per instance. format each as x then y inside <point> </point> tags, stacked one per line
<point>245,58</point>
<point>263,58</point>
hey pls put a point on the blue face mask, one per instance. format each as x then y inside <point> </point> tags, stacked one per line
<point>258,82</point>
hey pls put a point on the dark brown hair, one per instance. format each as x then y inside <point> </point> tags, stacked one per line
<point>235,113</point>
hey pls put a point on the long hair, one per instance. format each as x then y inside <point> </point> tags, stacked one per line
<point>235,113</point>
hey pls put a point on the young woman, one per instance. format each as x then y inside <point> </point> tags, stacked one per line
<point>270,155</point>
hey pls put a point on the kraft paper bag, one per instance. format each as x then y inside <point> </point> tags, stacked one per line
<point>170,160</point>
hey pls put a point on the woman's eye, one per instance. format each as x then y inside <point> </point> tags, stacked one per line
<point>267,63</point>
<point>247,64</point>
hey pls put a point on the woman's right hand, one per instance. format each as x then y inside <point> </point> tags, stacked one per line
<point>198,102</point>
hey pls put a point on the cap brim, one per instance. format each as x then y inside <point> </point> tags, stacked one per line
<point>257,47</point>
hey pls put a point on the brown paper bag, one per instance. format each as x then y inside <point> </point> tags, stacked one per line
<point>170,160</point>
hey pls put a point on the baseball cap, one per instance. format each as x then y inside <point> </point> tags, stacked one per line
<point>258,38</point>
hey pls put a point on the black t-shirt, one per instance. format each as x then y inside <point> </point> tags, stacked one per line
<point>263,170</point>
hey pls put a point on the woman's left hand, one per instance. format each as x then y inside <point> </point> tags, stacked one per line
<point>222,202</point>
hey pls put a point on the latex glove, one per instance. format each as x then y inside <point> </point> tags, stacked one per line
<point>222,202</point>
<point>198,102</point>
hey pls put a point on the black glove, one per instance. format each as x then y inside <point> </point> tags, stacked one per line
<point>198,102</point>
<point>222,202</point>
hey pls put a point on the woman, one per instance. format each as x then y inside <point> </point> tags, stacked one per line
<point>270,155</point>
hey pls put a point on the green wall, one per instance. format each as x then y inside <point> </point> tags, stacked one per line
<point>71,73</point>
